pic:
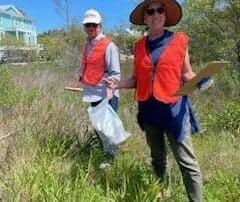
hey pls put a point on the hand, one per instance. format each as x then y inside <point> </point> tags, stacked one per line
<point>187,76</point>
<point>205,83</point>
<point>112,83</point>
<point>76,83</point>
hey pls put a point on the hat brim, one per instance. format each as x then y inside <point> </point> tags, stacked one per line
<point>91,20</point>
<point>172,9</point>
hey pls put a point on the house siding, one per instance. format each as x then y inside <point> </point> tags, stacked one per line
<point>15,22</point>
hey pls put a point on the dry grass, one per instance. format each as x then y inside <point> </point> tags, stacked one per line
<point>50,127</point>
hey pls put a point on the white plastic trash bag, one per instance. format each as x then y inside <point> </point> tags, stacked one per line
<point>106,121</point>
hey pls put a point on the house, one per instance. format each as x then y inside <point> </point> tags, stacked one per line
<point>15,22</point>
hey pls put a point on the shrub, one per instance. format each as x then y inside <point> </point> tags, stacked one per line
<point>229,117</point>
<point>9,93</point>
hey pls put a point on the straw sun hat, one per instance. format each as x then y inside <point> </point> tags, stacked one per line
<point>172,10</point>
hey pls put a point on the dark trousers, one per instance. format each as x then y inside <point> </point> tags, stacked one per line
<point>184,155</point>
<point>113,102</point>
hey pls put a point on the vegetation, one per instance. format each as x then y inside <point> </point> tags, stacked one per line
<point>213,27</point>
<point>49,156</point>
<point>9,40</point>
<point>15,51</point>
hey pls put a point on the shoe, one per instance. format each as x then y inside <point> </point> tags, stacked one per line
<point>104,166</point>
<point>164,193</point>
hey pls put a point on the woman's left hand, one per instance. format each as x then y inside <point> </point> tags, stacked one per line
<point>112,83</point>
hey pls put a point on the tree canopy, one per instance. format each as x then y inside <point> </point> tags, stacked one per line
<point>213,26</point>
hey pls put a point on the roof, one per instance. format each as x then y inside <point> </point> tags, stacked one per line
<point>18,12</point>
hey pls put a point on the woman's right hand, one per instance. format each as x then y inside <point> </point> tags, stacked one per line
<point>76,83</point>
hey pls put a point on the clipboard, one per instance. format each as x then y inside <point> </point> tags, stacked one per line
<point>211,69</point>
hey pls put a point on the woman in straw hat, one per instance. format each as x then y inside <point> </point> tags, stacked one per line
<point>161,65</point>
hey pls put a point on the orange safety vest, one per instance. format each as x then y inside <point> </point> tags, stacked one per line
<point>166,78</point>
<point>94,64</point>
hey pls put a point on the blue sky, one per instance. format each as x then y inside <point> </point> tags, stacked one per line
<point>46,16</point>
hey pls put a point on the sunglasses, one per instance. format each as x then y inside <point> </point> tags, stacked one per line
<point>151,11</point>
<point>91,25</point>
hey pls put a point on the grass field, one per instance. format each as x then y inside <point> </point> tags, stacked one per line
<point>46,158</point>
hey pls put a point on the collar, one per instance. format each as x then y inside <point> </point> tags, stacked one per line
<point>96,39</point>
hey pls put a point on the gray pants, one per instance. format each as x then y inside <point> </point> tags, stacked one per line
<point>184,155</point>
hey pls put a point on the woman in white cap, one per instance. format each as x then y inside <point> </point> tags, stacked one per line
<point>100,59</point>
<point>161,65</point>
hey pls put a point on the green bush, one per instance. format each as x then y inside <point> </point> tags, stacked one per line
<point>229,117</point>
<point>223,186</point>
<point>11,40</point>
<point>9,93</point>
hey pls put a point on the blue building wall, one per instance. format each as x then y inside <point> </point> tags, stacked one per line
<point>15,22</point>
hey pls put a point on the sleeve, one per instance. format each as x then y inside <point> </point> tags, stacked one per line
<point>112,61</point>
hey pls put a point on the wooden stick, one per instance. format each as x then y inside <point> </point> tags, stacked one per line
<point>73,89</point>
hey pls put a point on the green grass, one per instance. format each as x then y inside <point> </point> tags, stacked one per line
<point>48,158</point>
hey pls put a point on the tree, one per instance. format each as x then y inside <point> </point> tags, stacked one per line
<point>232,14</point>
<point>63,46</point>
<point>63,6</point>
<point>124,40</point>
<point>53,43</point>
<point>214,29</point>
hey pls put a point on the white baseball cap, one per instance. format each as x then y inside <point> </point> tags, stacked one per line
<point>92,16</point>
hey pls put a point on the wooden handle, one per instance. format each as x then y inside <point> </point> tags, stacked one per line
<point>73,89</point>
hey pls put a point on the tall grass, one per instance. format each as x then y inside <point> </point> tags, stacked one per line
<point>48,158</point>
